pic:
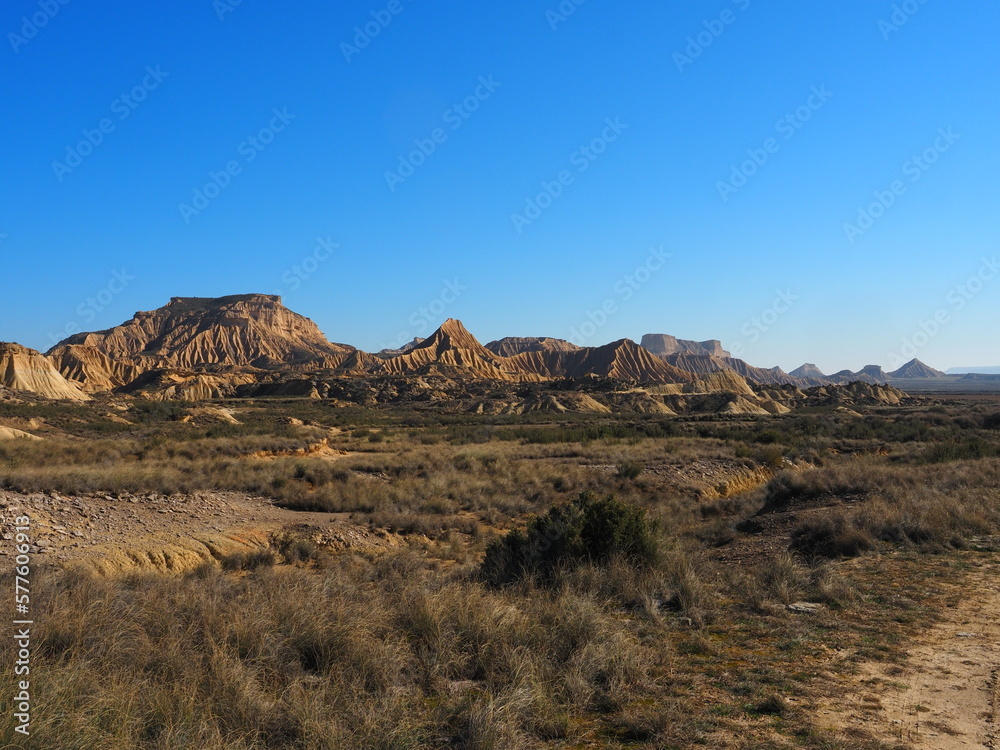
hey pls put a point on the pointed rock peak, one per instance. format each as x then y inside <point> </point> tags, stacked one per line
<point>808,370</point>
<point>916,369</point>
<point>452,334</point>
<point>453,326</point>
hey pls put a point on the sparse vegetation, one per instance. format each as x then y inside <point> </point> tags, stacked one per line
<point>555,580</point>
<point>589,529</point>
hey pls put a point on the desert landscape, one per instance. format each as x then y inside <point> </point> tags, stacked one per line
<point>243,535</point>
<point>553,375</point>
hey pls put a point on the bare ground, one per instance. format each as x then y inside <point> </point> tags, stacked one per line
<point>945,695</point>
<point>112,533</point>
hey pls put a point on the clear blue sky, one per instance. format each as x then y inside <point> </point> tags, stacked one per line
<point>320,170</point>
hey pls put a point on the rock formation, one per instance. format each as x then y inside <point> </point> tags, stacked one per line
<point>24,369</point>
<point>807,370</point>
<point>386,353</point>
<point>513,345</point>
<point>91,368</point>
<point>194,332</point>
<point>452,349</point>
<point>250,346</point>
<point>915,369</point>
<point>663,345</point>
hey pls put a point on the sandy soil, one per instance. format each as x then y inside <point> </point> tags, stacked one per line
<point>946,695</point>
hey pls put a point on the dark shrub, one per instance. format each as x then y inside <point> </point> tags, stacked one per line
<point>831,536</point>
<point>589,529</point>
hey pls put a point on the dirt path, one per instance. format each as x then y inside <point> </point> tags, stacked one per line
<point>946,695</point>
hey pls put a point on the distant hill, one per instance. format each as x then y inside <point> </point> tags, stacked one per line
<point>807,370</point>
<point>512,345</point>
<point>706,363</point>
<point>401,350</point>
<point>875,372</point>
<point>970,370</point>
<point>915,369</point>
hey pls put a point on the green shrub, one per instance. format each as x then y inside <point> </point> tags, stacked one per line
<point>589,529</point>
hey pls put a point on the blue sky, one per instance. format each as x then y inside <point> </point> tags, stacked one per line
<point>601,173</point>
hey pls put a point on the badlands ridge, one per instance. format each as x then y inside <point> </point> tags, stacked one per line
<point>251,346</point>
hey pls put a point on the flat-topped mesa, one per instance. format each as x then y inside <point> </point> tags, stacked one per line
<point>664,345</point>
<point>238,330</point>
<point>513,345</point>
<point>207,303</point>
<point>24,369</point>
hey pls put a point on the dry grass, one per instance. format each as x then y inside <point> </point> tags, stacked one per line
<point>292,648</point>
<point>386,653</point>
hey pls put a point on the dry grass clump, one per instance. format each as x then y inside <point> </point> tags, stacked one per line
<point>932,508</point>
<point>392,654</point>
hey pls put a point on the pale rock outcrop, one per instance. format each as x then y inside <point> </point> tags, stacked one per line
<point>24,369</point>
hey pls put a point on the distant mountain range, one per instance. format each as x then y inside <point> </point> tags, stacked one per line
<point>203,346</point>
